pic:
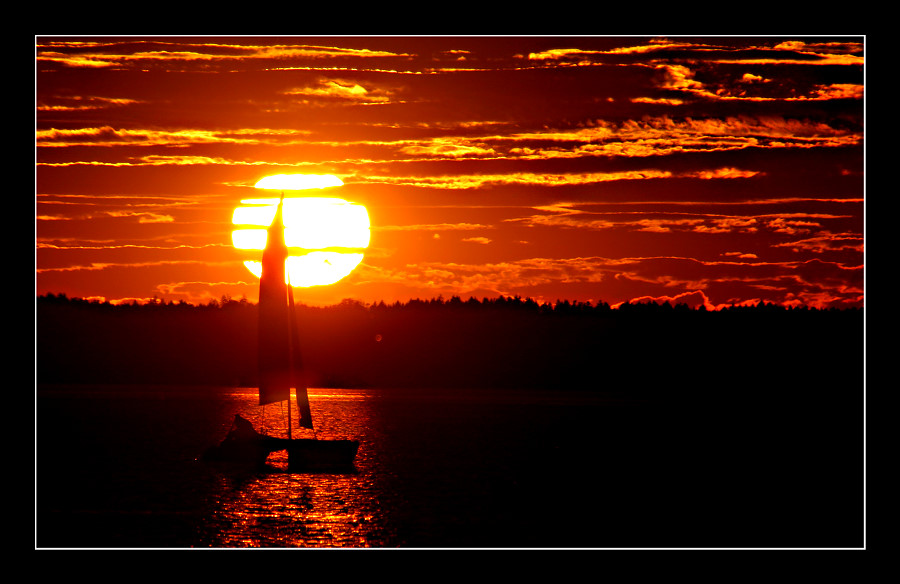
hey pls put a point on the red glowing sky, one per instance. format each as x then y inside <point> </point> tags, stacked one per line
<point>698,170</point>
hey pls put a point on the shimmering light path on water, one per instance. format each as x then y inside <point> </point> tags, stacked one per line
<point>281,509</point>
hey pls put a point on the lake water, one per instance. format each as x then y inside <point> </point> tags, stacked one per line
<point>117,467</point>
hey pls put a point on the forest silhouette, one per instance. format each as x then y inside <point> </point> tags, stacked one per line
<point>645,349</point>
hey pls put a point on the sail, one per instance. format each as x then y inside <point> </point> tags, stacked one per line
<point>299,379</point>
<point>274,341</point>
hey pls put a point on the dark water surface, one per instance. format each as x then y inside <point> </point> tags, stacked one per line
<point>116,466</point>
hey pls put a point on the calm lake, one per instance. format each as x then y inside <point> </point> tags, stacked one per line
<point>117,467</point>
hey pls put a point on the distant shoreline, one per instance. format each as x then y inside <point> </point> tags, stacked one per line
<point>455,301</point>
<point>635,349</point>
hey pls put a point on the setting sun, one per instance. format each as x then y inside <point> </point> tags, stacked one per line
<point>325,236</point>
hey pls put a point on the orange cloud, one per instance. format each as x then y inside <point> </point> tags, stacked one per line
<point>825,241</point>
<point>448,148</point>
<point>80,103</point>
<point>795,52</point>
<point>680,78</point>
<point>143,217</point>
<point>111,53</point>
<point>657,136</point>
<point>432,227</point>
<point>109,136</point>
<point>342,89</point>
<point>473,181</point>
<point>693,299</point>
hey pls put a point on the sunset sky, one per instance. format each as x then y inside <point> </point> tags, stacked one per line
<point>714,170</point>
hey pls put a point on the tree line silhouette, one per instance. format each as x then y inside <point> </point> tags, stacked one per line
<point>505,342</point>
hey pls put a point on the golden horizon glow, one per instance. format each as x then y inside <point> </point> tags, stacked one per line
<point>325,236</point>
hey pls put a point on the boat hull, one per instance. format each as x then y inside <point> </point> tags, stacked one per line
<point>320,455</point>
<point>304,455</point>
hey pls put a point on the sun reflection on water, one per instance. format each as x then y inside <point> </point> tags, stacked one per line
<point>287,510</point>
<point>281,509</point>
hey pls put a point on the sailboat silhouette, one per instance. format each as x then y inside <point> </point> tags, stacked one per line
<point>280,368</point>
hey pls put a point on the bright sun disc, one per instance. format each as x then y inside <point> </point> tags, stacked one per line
<point>325,236</point>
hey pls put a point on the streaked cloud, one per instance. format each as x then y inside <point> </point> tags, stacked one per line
<point>147,52</point>
<point>109,136</point>
<point>433,227</point>
<point>551,179</point>
<point>342,89</point>
<point>83,103</point>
